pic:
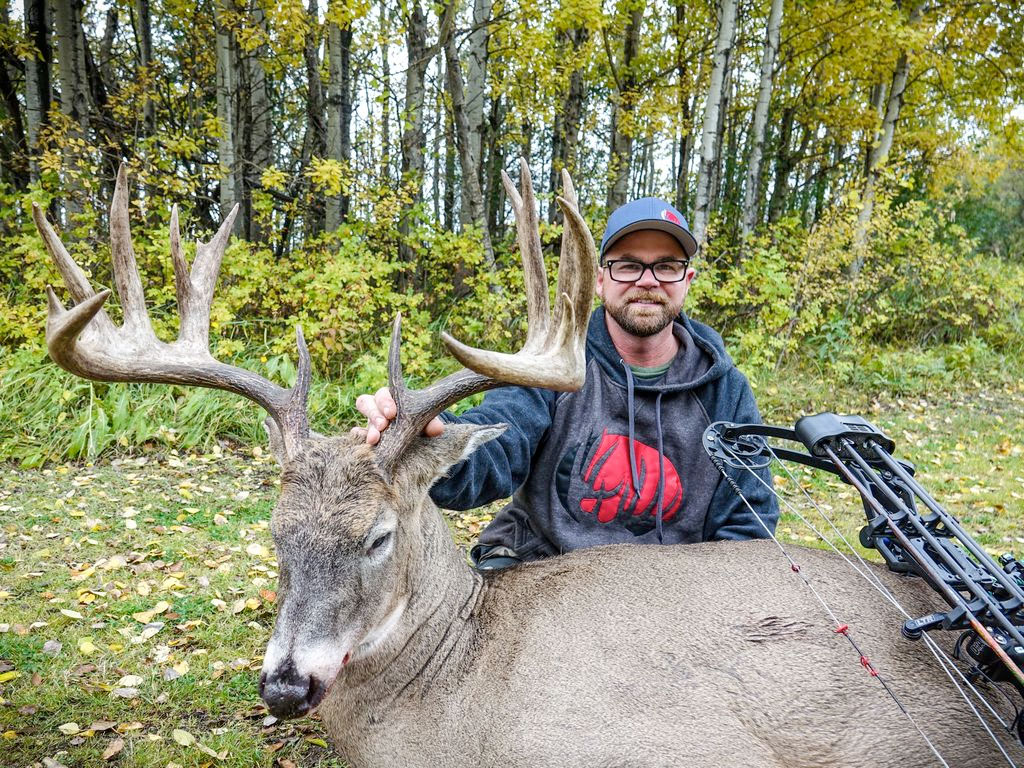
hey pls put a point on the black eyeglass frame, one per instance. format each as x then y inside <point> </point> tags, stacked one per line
<point>685,262</point>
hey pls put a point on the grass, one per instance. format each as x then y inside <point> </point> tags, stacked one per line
<point>137,590</point>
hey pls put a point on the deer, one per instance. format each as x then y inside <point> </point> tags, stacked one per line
<point>695,655</point>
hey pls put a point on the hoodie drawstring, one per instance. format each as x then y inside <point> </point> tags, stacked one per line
<point>631,408</point>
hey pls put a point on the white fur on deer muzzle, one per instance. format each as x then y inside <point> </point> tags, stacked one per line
<point>296,677</point>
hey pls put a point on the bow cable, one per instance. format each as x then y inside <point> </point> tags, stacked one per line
<point>841,628</point>
<point>864,570</point>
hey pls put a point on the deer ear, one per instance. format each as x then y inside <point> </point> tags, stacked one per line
<point>431,457</point>
<point>277,441</point>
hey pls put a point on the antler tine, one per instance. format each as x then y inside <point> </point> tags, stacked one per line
<point>74,277</point>
<point>84,341</point>
<point>195,288</point>
<point>416,407</point>
<point>524,207</point>
<point>577,266</point>
<point>126,271</point>
<point>553,358</point>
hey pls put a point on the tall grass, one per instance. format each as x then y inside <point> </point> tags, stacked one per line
<point>47,414</point>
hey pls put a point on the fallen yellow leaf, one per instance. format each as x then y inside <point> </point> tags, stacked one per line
<point>184,738</point>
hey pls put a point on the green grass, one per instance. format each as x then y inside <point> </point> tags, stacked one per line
<point>113,538</point>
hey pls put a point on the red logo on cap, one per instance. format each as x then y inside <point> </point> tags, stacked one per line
<point>667,215</point>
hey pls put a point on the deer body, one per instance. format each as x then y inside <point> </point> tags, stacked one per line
<point>691,655</point>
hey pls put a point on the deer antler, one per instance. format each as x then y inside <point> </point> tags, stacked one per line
<point>553,354</point>
<point>84,340</point>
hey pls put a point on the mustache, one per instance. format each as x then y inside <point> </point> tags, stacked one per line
<point>646,296</point>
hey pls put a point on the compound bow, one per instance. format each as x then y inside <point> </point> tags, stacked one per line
<point>985,596</point>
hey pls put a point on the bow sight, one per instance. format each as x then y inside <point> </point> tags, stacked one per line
<point>985,597</point>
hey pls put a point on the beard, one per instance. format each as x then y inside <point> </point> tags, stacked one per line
<point>643,319</point>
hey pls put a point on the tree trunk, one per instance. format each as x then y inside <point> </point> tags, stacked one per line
<point>495,165</point>
<point>144,33</point>
<point>472,209</point>
<point>37,78</point>
<point>315,144</point>
<point>565,135</point>
<point>682,170</point>
<point>476,80</point>
<point>339,115</point>
<point>227,80</point>
<point>449,169</point>
<point>724,102</point>
<point>74,88</point>
<point>710,137</point>
<point>752,185</point>
<point>879,153</point>
<point>15,147</point>
<point>385,109</point>
<point>621,145</point>
<point>258,147</point>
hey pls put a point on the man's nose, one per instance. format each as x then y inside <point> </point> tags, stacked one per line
<point>647,279</point>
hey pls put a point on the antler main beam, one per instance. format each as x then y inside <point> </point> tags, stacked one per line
<point>553,354</point>
<point>85,341</point>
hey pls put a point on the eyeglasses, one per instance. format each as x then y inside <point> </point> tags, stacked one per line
<point>627,271</point>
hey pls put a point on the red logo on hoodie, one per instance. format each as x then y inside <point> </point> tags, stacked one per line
<point>609,479</point>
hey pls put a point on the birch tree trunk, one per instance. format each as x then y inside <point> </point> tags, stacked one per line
<point>226,90</point>
<point>879,152</point>
<point>621,145</point>
<point>752,186</point>
<point>144,34</point>
<point>709,136</point>
<point>472,209</point>
<point>37,78</point>
<point>315,143</point>
<point>339,114</point>
<point>476,79</point>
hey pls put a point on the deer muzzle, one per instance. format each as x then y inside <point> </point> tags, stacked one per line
<point>289,693</point>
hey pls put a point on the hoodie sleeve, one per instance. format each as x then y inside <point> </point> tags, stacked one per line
<point>497,468</point>
<point>729,517</point>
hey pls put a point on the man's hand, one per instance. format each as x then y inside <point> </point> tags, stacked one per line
<point>379,410</point>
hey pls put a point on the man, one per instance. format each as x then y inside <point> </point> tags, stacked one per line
<point>621,460</point>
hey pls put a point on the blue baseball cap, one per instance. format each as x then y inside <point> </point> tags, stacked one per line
<point>648,213</point>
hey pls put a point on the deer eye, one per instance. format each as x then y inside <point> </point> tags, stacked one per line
<point>378,543</point>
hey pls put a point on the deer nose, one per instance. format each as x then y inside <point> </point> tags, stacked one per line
<point>288,694</point>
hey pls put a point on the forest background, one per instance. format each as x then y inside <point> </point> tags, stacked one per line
<point>855,171</point>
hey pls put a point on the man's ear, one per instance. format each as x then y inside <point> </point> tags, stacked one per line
<point>429,458</point>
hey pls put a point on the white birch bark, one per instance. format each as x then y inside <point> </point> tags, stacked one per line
<point>709,135</point>
<point>752,186</point>
<point>226,84</point>
<point>472,194</point>
<point>476,77</point>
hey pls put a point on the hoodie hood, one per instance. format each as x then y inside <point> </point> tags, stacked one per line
<point>601,349</point>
